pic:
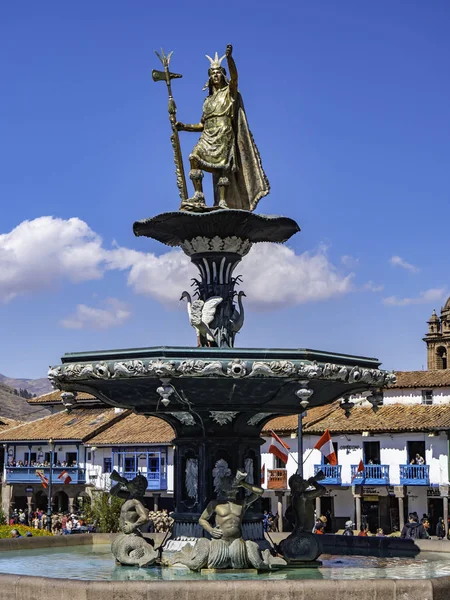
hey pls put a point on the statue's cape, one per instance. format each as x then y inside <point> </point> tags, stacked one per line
<point>248,182</point>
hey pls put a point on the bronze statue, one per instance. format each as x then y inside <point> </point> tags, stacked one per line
<point>303,494</point>
<point>227,548</point>
<point>131,548</point>
<point>228,509</point>
<point>226,147</point>
<point>302,545</point>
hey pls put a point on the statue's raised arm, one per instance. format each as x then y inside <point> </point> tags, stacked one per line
<point>232,70</point>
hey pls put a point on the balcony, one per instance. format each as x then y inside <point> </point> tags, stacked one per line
<point>156,480</point>
<point>28,474</point>
<point>332,474</point>
<point>414,474</point>
<point>372,475</point>
<point>276,479</point>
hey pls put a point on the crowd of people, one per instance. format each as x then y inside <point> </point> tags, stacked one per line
<point>62,523</point>
<point>415,528</point>
<point>39,464</point>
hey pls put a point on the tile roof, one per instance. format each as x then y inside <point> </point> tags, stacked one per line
<point>79,424</point>
<point>6,423</point>
<point>288,424</point>
<point>55,397</point>
<point>135,429</point>
<point>388,418</point>
<point>421,379</point>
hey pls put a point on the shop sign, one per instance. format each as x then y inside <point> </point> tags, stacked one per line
<point>370,491</point>
<point>349,448</point>
<point>29,489</point>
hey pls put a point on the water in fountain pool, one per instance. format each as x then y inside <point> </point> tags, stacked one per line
<point>97,563</point>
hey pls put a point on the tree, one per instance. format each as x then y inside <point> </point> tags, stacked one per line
<point>104,512</point>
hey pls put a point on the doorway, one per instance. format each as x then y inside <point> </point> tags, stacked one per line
<point>435,509</point>
<point>370,513</point>
<point>327,509</point>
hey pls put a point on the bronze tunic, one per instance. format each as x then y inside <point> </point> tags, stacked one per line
<point>215,150</point>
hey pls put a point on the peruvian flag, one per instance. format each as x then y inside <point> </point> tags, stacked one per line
<point>64,475</point>
<point>325,445</point>
<point>43,478</point>
<point>360,469</point>
<point>279,448</point>
<point>263,474</point>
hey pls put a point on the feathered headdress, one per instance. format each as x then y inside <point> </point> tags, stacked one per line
<point>215,63</point>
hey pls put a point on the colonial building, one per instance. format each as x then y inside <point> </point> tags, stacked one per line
<point>392,483</point>
<point>85,443</point>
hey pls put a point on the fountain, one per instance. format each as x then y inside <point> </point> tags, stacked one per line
<point>217,397</point>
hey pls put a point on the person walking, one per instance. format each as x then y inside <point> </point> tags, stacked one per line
<point>440,529</point>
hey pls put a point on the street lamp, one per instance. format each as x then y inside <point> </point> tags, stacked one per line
<point>304,393</point>
<point>50,479</point>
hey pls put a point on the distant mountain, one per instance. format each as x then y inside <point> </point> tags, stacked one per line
<point>34,386</point>
<point>15,407</point>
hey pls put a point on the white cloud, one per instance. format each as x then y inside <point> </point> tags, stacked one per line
<point>349,261</point>
<point>398,261</point>
<point>275,276</point>
<point>40,254</point>
<point>114,314</point>
<point>163,277</point>
<point>426,297</point>
<point>370,286</point>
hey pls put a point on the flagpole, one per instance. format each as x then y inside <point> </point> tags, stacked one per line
<point>310,452</point>
<point>300,445</point>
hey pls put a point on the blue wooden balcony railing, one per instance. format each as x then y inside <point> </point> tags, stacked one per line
<point>28,474</point>
<point>414,474</point>
<point>372,475</point>
<point>156,480</point>
<point>332,474</point>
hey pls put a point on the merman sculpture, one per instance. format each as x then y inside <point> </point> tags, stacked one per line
<point>227,549</point>
<point>302,544</point>
<point>130,547</point>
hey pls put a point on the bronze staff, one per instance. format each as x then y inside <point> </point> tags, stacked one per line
<point>166,76</point>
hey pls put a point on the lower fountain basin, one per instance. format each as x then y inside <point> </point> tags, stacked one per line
<point>96,563</point>
<point>82,567</point>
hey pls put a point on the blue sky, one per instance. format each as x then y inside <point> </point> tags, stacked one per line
<point>349,106</point>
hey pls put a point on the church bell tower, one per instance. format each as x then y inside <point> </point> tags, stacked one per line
<point>438,338</point>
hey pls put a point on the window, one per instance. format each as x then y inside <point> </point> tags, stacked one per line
<point>278,463</point>
<point>71,458</point>
<point>416,453</point>
<point>48,457</point>
<point>427,396</point>
<point>129,464</point>
<point>107,465</point>
<point>29,458</point>
<point>89,456</point>
<point>371,453</point>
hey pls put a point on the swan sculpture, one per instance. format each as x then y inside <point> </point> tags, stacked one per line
<point>237,318</point>
<point>201,315</point>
